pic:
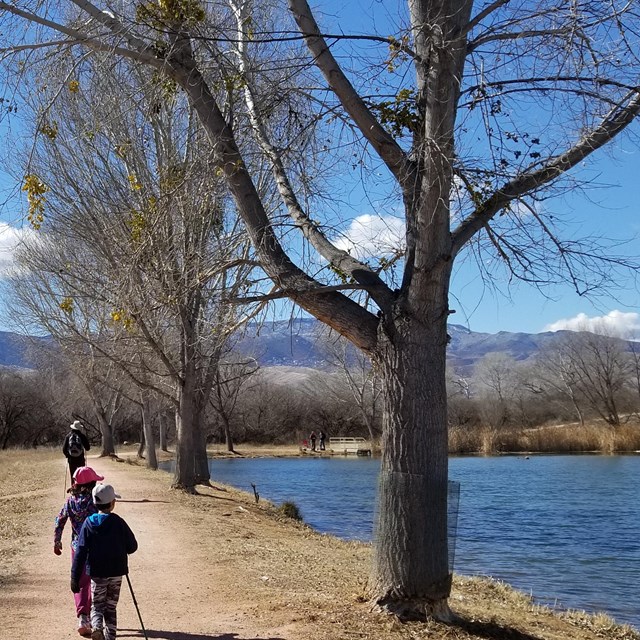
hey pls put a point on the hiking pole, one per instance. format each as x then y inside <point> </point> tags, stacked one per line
<point>135,602</point>
<point>66,467</point>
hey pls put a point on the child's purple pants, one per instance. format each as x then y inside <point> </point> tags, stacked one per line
<point>83,597</point>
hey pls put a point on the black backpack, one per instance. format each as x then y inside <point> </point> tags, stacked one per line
<point>75,446</point>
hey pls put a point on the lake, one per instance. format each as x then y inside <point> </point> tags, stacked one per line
<point>564,528</point>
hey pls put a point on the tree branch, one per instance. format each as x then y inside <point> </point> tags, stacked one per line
<point>287,293</point>
<point>338,258</point>
<point>488,10</point>
<point>82,38</point>
<point>384,144</point>
<point>338,311</point>
<point>529,33</point>
<point>615,121</point>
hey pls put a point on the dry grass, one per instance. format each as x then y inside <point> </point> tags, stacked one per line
<point>24,475</point>
<point>595,437</point>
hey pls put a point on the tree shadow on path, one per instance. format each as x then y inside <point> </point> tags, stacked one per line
<point>182,635</point>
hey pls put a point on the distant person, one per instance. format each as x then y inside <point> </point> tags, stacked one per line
<point>74,446</point>
<point>312,438</point>
<point>104,543</point>
<point>77,508</point>
<point>323,437</point>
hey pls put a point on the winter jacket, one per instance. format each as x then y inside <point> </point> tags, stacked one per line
<point>104,542</point>
<point>83,438</point>
<point>77,509</point>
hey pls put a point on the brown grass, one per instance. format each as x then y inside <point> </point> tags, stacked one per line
<point>595,437</point>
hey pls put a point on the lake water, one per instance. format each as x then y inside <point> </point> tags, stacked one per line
<point>564,528</point>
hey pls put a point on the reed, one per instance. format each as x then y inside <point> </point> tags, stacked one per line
<point>596,437</point>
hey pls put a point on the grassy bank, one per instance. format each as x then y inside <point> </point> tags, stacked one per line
<point>593,437</point>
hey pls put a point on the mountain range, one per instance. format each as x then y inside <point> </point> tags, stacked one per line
<point>301,342</point>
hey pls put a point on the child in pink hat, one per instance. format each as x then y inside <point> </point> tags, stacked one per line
<point>77,508</point>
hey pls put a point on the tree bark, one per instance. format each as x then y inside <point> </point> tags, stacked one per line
<point>185,477</point>
<point>162,419</point>
<point>106,431</point>
<point>200,460</point>
<point>149,436</point>
<point>228,437</point>
<point>411,576</point>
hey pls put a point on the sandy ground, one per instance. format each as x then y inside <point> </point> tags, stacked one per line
<point>216,566</point>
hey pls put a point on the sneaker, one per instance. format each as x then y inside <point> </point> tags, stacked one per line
<point>97,634</point>
<point>84,626</point>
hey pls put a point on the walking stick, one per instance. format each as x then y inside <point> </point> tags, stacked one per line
<point>135,602</point>
<point>66,468</point>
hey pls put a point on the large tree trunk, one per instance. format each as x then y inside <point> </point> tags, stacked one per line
<point>411,576</point>
<point>201,459</point>
<point>149,436</point>
<point>162,420</point>
<point>228,437</point>
<point>184,477</point>
<point>106,431</point>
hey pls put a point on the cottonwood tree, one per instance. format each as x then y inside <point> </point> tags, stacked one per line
<point>468,111</point>
<point>78,329</point>
<point>137,246</point>
<point>359,377</point>
<point>556,371</point>
<point>230,377</point>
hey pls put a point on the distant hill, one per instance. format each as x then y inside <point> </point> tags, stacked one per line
<point>300,343</point>
<point>14,349</point>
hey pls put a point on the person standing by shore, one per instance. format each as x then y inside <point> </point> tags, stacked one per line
<point>74,446</point>
<point>77,508</point>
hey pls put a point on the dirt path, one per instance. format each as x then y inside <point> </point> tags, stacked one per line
<point>219,567</point>
<point>180,574</point>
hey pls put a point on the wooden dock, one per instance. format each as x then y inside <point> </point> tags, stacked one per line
<point>346,446</point>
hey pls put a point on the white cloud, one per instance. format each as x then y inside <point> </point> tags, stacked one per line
<point>369,236</point>
<point>10,238</point>
<point>616,323</point>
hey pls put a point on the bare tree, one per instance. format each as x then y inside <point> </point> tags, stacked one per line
<point>470,112</point>
<point>231,375</point>
<point>497,375</point>
<point>556,371</point>
<point>14,410</point>
<point>360,378</point>
<point>600,368</point>
<point>137,247</point>
<point>634,358</point>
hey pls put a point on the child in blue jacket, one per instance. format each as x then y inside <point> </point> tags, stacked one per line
<point>77,508</point>
<point>104,543</point>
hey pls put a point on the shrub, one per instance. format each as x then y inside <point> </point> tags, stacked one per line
<point>290,510</point>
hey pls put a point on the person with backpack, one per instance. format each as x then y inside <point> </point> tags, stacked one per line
<point>75,444</point>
